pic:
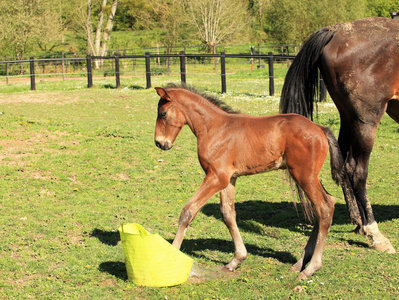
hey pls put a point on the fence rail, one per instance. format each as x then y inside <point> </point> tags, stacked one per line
<point>90,63</point>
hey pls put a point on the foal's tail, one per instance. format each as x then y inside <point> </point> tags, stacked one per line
<point>336,158</point>
<point>301,81</point>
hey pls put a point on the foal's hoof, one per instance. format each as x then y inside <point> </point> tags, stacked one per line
<point>227,270</point>
<point>384,247</point>
<point>302,276</point>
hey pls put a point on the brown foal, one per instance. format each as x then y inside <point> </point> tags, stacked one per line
<point>232,144</point>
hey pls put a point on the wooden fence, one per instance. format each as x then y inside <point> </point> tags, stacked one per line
<point>182,57</point>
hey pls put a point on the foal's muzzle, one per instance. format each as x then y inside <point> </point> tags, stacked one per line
<point>166,145</point>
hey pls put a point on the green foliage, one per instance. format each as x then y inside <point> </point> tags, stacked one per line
<point>136,39</point>
<point>136,14</point>
<point>292,22</point>
<point>382,8</point>
<point>26,25</point>
<point>48,26</point>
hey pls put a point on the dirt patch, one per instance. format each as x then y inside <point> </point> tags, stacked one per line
<point>200,274</point>
<point>16,148</point>
<point>45,98</point>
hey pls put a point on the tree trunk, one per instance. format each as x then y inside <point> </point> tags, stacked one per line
<point>97,41</point>
<point>108,28</point>
<point>89,29</point>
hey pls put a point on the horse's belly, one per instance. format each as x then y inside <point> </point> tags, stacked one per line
<point>260,167</point>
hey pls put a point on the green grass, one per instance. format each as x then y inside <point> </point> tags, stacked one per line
<point>75,163</point>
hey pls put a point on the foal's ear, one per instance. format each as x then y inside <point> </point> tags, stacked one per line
<point>163,94</point>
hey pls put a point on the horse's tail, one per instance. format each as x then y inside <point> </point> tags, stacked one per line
<point>301,81</point>
<point>340,176</point>
<point>336,158</point>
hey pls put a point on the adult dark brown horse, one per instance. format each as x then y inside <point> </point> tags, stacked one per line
<point>359,63</point>
<point>233,144</point>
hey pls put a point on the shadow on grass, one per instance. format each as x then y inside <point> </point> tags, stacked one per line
<point>284,215</point>
<point>115,268</point>
<point>110,238</point>
<point>136,87</point>
<point>131,87</point>
<point>355,243</point>
<point>193,246</point>
<point>109,86</point>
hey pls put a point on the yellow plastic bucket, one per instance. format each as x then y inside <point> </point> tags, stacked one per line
<point>151,260</point>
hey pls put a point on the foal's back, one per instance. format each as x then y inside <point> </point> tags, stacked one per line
<point>268,143</point>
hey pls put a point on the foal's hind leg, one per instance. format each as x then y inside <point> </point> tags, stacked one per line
<point>309,250</point>
<point>324,206</point>
<point>229,218</point>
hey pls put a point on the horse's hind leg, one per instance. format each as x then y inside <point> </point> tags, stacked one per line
<point>309,250</point>
<point>360,142</point>
<point>324,206</point>
<point>229,218</point>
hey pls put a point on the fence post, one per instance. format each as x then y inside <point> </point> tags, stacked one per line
<point>89,72</point>
<point>117,74</point>
<point>55,65</point>
<point>6,71</point>
<point>134,62</point>
<point>32,74</point>
<point>183,66</point>
<point>148,69</point>
<point>223,70</point>
<point>168,60</point>
<point>271,74</point>
<point>63,66</point>
<point>252,59</point>
<point>215,60</point>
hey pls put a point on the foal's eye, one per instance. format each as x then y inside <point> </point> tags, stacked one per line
<point>162,114</point>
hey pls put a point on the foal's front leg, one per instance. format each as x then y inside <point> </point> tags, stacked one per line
<point>229,218</point>
<point>209,187</point>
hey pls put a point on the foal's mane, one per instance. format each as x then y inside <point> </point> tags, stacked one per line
<point>211,98</point>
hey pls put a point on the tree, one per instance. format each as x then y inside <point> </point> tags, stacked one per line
<point>141,14</point>
<point>91,14</point>
<point>258,9</point>
<point>174,22</point>
<point>292,22</point>
<point>98,44</point>
<point>26,23</point>
<point>216,20</point>
<point>382,8</point>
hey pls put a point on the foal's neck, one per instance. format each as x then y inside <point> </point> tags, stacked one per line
<point>203,116</point>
